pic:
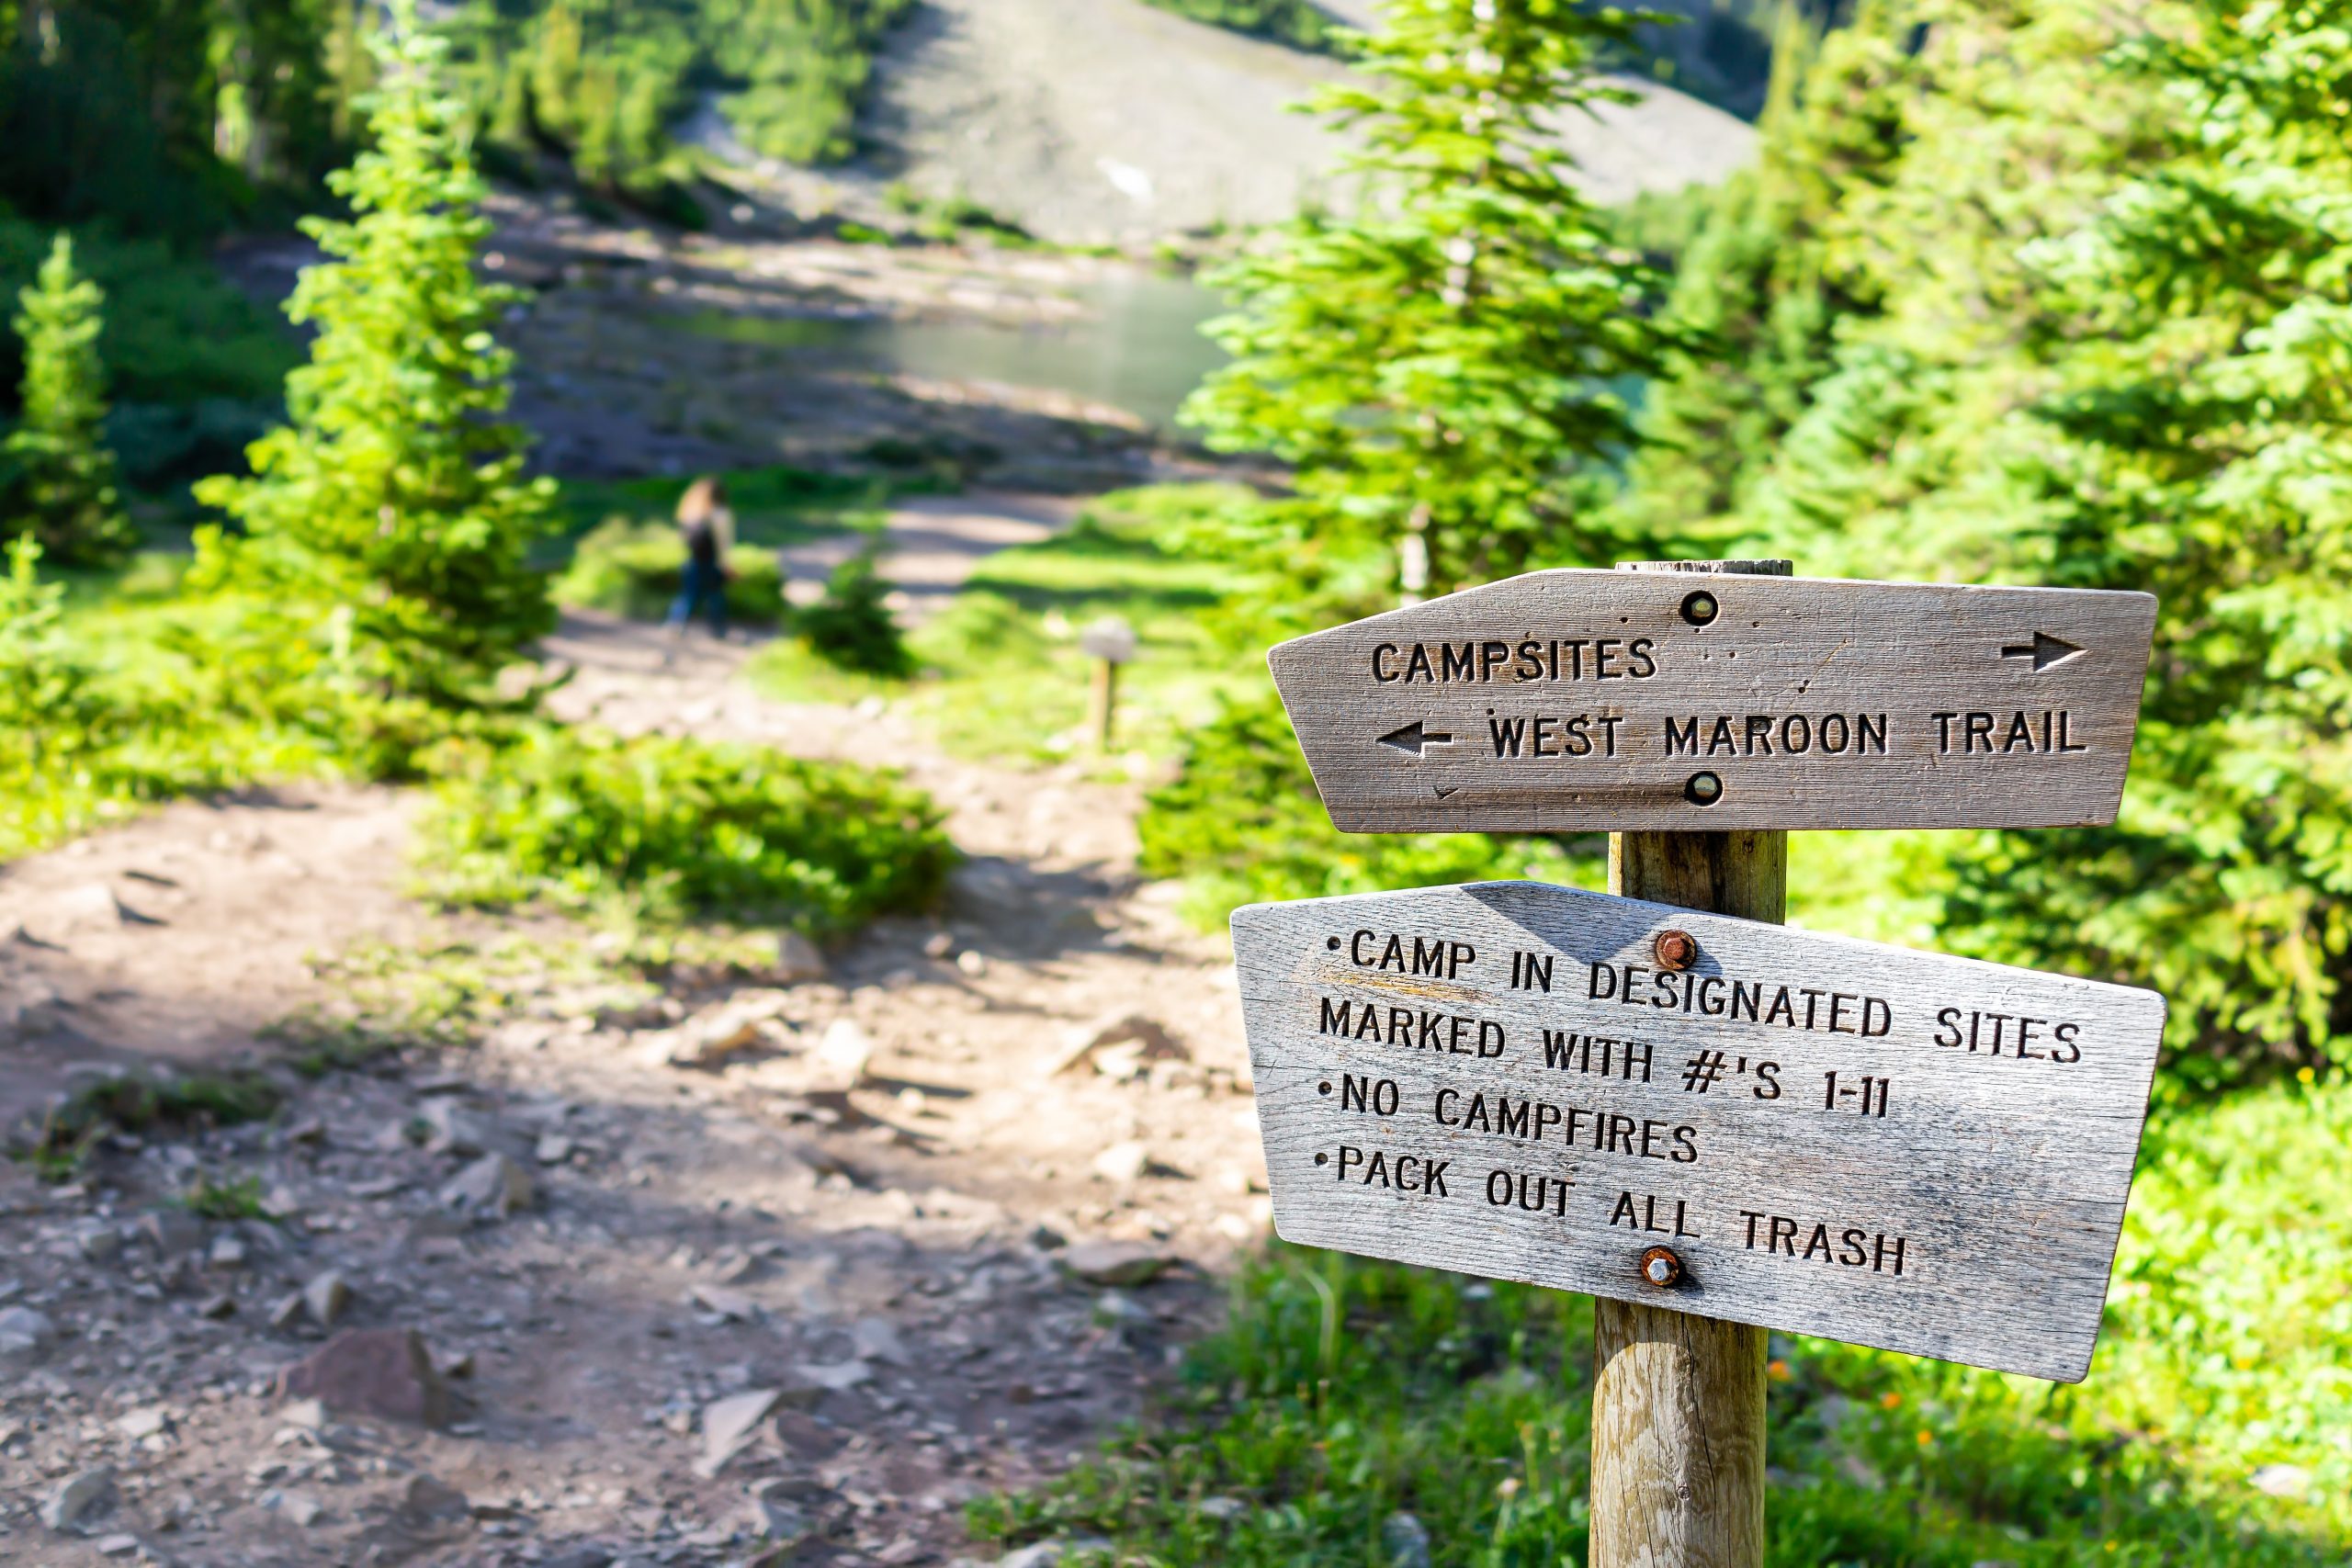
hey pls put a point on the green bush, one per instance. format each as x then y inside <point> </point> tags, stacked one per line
<point>851,627</point>
<point>680,827</point>
<point>1243,821</point>
<point>634,567</point>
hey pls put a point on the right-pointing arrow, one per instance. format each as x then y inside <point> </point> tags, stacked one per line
<point>2044,651</point>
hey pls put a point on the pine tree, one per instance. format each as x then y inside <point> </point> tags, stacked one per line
<point>64,493</point>
<point>396,495</point>
<point>2199,446</point>
<point>1768,283</point>
<point>1438,364</point>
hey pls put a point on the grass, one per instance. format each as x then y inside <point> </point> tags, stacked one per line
<point>142,1102</point>
<point>1341,1392</point>
<point>1002,673</point>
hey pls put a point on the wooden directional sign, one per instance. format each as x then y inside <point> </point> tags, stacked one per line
<point>1510,1079</point>
<point>1573,701</point>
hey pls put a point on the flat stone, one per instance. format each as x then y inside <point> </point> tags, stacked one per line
<point>143,1422</point>
<point>433,1500</point>
<point>118,1545</point>
<point>23,1329</point>
<point>1114,1263</point>
<point>228,1252</point>
<point>729,1424</point>
<point>285,1310</point>
<point>876,1339</point>
<point>832,1377</point>
<point>553,1148</point>
<point>734,1305</point>
<point>384,1372</point>
<point>76,1498</point>
<point>300,1509</point>
<point>326,1299</point>
<point>492,1185</point>
<point>173,1233</point>
<point>797,961</point>
<point>1123,1162</point>
<point>217,1307</point>
<point>451,1129</point>
<point>745,1019</point>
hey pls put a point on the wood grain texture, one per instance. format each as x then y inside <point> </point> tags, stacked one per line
<point>1677,1400</point>
<point>1677,1440</point>
<point>1994,1183</point>
<point>1812,702</point>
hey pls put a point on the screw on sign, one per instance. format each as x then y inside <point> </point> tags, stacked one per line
<point>1659,1096</point>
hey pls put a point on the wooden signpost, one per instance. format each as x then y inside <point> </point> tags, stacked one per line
<point>1566,700</point>
<point>1709,1123</point>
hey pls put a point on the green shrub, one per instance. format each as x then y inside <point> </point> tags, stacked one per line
<point>682,828</point>
<point>63,491</point>
<point>851,627</point>
<point>1340,1391</point>
<point>1243,821</point>
<point>634,569</point>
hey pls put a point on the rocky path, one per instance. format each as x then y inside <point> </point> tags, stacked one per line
<point>743,1266</point>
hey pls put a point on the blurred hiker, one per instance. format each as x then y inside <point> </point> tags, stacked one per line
<point>708,529</point>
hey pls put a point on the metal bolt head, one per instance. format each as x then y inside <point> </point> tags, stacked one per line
<point>1661,1267</point>
<point>1675,950</point>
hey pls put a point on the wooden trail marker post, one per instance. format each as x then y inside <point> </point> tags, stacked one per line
<point>1110,642</point>
<point>1707,1121</point>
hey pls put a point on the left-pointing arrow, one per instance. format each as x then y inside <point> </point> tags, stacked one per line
<point>1413,738</point>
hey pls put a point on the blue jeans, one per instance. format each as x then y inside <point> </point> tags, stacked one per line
<point>705,588</point>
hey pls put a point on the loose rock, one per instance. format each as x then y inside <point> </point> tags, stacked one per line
<point>67,1506</point>
<point>797,961</point>
<point>1405,1540</point>
<point>385,1372</point>
<point>729,1424</point>
<point>1123,1163</point>
<point>493,1184</point>
<point>1157,1043</point>
<point>23,1329</point>
<point>433,1501</point>
<point>326,1298</point>
<point>1114,1263</point>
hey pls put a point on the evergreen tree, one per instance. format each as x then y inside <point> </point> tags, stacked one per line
<point>1439,365</point>
<point>2199,447</point>
<point>1770,279</point>
<point>64,493</point>
<point>396,495</point>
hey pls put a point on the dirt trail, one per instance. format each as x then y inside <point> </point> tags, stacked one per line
<point>932,544</point>
<point>904,1281</point>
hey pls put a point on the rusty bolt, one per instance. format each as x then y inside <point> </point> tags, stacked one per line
<point>1676,951</point>
<point>1661,1267</point>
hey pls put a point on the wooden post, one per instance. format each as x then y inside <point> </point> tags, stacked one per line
<point>1677,1400</point>
<point>1104,704</point>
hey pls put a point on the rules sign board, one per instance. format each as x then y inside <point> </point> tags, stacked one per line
<point>1573,701</point>
<point>1522,1081</point>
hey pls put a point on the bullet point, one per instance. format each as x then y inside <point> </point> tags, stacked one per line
<point>1323,1088</point>
<point>1322,1159</point>
<point>1332,942</point>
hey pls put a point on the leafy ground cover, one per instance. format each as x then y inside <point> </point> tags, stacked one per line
<point>1342,1393</point>
<point>682,828</point>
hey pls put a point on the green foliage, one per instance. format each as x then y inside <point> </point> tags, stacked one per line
<point>1767,277</point>
<point>679,827</point>
<point>1298,22</point>
<point>851,627</point>
<point>1441,367</point>
<point>392,510</point>
<point>804,65</point>
<point>1340,1392</point>
<point>2104,348</point>
<point>1242,821</point>
<point>63,492</point>
<point>176,330</point>
<point>635,568</point>
<point>238,1197</point>
<point>143,1103</point>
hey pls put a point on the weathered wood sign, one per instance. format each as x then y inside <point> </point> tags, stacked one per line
<point>1599,1094</point>
<point>1573,701</point>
